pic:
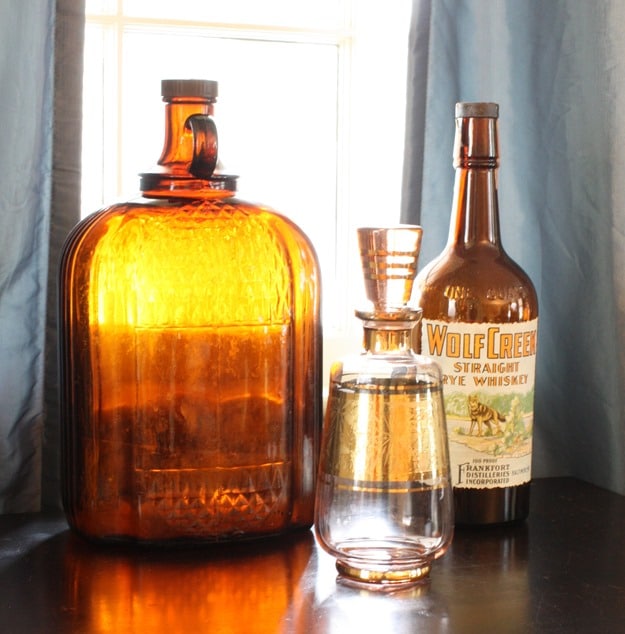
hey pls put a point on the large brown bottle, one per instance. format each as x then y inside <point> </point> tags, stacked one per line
<point>191,354</point>
<point>480,315</point>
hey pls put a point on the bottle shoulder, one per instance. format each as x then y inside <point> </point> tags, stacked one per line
<point>472,267</point>
<point>216,263</point>
<point>361,369</point>
<point>191,224</point>
<point>475,285</point>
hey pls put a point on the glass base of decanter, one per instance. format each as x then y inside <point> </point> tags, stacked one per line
<point>374,576</point>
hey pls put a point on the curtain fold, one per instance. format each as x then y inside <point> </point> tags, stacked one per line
<point>26,56</point>
<point>34,155</point>
<point>557,69</point>
<point>64,212</point>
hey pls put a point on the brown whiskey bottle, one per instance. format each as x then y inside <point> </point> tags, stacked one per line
<point>480,316</point>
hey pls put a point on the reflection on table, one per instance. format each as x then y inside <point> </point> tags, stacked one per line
<point>563,571</point>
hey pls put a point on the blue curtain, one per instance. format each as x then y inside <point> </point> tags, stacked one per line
<point>557,69</point>
<point>26,75</point>
<point>39,189</point>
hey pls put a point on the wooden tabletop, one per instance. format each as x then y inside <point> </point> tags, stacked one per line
<point>561,571</point>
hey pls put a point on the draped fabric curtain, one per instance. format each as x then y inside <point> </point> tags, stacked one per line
<point>40,70</point>
<point>64,211</point>
<point>557,69</point>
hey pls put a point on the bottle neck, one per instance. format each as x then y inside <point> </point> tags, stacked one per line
<point>388,337</point>
<point>475,211</point>
<point>186,167</point>
<point>178,146</point>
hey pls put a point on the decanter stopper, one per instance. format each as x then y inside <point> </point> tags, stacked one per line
<point>389,259</point>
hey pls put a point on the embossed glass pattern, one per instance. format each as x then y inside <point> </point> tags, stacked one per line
<point>191,358</point>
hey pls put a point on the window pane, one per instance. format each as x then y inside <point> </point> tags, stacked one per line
<point>276,116</point>
<point>106,7</point>
<point>99,129</point>
<point>311,118</point>
<point>317,14</point>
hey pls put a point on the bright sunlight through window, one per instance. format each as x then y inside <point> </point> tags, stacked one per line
<point>310,113</point>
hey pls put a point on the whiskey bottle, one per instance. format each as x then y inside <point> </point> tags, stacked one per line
<point>480,316</point>
<point>190,354</point>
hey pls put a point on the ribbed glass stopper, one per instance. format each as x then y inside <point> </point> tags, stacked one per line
<point>389,257</point>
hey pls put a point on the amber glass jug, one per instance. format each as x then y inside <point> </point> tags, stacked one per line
<point>190,354</point>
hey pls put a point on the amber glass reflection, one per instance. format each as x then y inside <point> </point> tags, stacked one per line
<point>238,589</point>
<point>190,360</point>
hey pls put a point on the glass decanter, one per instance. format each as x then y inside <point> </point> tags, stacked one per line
<point>384,506</point>
<point>190,354</point>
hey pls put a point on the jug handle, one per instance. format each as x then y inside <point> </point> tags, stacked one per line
<point>204,133</point>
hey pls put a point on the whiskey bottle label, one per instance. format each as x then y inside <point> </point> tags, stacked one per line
<point>488,383</point>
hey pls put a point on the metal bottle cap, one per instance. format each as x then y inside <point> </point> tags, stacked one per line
<point>205,88</point>
<point>477,109</point>
<point>476,143</point>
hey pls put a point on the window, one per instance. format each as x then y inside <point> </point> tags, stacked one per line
<point>310,113</point>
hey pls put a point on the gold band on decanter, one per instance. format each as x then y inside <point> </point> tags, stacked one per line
<point>384,577</point>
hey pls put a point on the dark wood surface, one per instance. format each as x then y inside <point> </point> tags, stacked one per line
<point>562,571</point>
